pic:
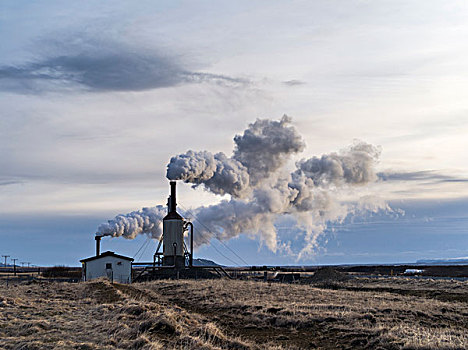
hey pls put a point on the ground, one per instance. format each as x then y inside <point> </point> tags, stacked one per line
<point>385,313</point>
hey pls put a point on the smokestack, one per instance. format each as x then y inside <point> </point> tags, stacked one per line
<point>173,234</point>
<point>172,205</point>
<point>98,244</point>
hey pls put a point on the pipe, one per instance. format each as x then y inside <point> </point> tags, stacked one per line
<point>173,204</point>
<point>98,244</point>
<point>157,249</point>
<point>191,244</point>
<point>169,204</point>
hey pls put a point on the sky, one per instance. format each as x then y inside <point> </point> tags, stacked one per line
<point>95,98</point>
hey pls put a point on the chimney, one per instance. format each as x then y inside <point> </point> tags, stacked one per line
<point>98,244</point>
<point>172,198</point>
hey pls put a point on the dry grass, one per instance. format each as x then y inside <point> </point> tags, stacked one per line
<point>97,315</point>
<point>224,314</point>
<point>305,316</point>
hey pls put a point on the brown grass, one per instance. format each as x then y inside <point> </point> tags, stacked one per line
<point>225,314</point>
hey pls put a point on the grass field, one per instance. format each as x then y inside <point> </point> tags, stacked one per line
<point>235,314</point>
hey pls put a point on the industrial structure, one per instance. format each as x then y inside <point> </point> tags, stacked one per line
<point>108,264</point>
<point>175,253</point>
<point>173,257</point>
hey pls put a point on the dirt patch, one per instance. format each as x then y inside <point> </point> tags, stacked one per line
<point>428,294</point>
<point>102,292</point>
<point>443,290</point>
<point>327,275</point>
<point>134,292</point>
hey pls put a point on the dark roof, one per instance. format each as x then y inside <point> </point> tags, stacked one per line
<point>173,215</point>
<point>108,253</point>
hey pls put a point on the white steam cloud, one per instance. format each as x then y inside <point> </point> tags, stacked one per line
<point>218,173</point>
<point>146,220</point>
<point>262,189</point>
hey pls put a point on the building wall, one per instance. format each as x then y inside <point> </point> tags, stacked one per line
<point>173,233</point>
<point>121,269</point>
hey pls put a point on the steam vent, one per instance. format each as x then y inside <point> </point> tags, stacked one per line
<point>173,234</point>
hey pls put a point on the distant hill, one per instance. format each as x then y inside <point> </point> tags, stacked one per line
<point>451,261</point>
<point>204,262</point>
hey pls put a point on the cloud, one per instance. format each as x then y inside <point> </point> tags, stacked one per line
<point>294,82</point>
<point>10,182</point>
<point>425,175</point>
<point>200,77</point>
<point>108,67</point>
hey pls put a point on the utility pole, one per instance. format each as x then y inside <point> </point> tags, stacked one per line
<point>22,263</point>
<point>28,263</point>
<point>5,256</point>
<point>14,266</point>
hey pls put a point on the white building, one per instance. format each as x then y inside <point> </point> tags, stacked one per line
<point>115,267</point>
<point>413,272</point>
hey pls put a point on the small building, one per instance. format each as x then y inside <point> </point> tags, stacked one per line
<point>115,267</point>
<point>413,272</point>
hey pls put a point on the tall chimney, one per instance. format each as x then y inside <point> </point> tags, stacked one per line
<point>172,206</point>
<point>98,244</point>
<point>173,234</point>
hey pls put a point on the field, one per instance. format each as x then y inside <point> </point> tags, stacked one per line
<point>235,314</point>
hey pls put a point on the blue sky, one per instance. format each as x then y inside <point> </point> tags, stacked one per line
<point>428,230</point>
<point>95,98</point>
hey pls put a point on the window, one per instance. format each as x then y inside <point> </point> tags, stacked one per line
<point>119,263</point>
<point>108,266</point>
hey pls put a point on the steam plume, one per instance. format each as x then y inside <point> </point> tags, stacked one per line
<point>146,220</point>
<point>353,166</point>
<point>261,189</point>
<point>264,147</point>
<point>218,173</point>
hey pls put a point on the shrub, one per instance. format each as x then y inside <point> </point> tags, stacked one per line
<point>62,271</point>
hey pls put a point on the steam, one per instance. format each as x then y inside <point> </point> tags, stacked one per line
<point>146,220</point>
<point>264,148</point>
<point>218,173</point>
<point>315,192</point>
<point>311,194</point>
<point>353,166</point>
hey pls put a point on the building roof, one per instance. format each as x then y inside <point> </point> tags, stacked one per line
<point>173,215</point>
<point>108,253</point>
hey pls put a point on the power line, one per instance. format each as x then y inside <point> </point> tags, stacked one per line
<point>14,266</point>
<point>146,247</point>
<point>146,242</point>
<point>215,236</point>
<point>219,252</point>
<point>220,241</point>
<point>141,247</point>
<point>213,246</point>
